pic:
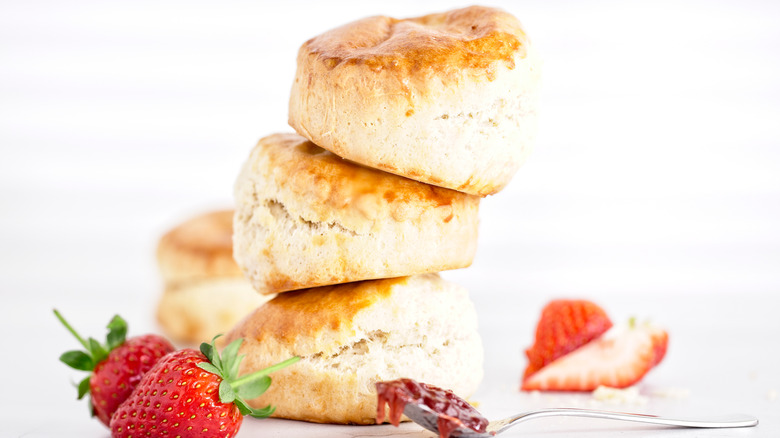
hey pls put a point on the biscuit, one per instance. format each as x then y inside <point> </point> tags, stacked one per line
<point>205,292</point>
<point>448,99</point>
<point>195,312</point>
<point>200,247</point>
<point>306,217</point>
<point>350,336</point>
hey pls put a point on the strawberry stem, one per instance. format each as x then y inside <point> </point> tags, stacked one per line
<point>71,330</point>
<point>264,372</point>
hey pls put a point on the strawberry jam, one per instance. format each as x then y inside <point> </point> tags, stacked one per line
<point>453,411</point>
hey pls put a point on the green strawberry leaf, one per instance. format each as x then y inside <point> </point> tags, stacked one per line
<point>263,412</point>
<point>255,388</point>
<point>211,353</point>
<point>243,407</point>
<point>236,366</point>
<point>117,332</point>
<point>209,367</point>
<point>226,393</point>
<point>230,362</point>
<point>83,387</point>
<point>78,360</point>
<point>97,351</point>
<point>207,350</point>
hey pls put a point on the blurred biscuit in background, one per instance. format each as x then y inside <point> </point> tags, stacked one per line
<point>205,292</point>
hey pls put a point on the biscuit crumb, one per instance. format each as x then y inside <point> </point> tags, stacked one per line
<point>617,396</point>
<point>671,393</point>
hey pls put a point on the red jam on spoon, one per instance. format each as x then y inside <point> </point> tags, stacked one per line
<point>453,411</point>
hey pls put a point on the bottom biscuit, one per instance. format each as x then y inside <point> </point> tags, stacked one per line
<point>352,335</point>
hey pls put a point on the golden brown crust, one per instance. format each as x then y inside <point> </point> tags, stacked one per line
<point>326,307</point>
<point>306,168</point>
<point>198,248</point>
<point>469,38</point>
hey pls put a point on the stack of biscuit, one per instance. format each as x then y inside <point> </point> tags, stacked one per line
<point>402,126</point>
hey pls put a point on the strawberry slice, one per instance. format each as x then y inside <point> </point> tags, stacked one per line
<point>618,359</point>
<point>565,325</point>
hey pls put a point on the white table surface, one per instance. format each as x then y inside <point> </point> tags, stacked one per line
<point>654,188</point>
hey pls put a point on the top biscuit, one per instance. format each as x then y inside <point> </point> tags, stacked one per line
<point>448,99</point>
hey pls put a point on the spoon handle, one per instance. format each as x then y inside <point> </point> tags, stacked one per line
<point>730,420</point>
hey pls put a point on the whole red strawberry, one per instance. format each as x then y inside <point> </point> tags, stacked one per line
<point>193,393</point>
<point>116,366</point>
<point>565,325</point>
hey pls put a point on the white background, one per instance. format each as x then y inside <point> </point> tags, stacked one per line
<point>654,188</point>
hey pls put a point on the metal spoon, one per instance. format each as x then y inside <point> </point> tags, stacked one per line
<point>427,418</point>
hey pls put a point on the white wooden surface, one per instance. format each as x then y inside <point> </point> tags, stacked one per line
<point>654,188</point>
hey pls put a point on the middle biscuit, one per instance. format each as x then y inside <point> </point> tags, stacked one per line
<point>306,217</point>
